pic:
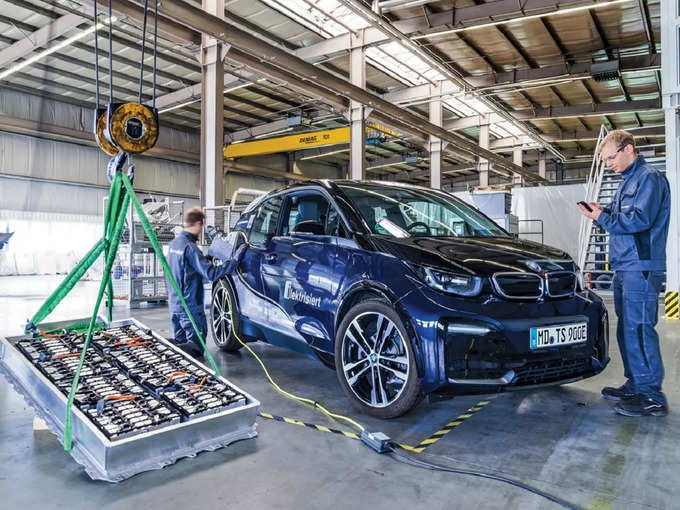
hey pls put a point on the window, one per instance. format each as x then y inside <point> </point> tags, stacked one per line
<point>406,212</point>
<point>304,207</point>
<point>266,220</point>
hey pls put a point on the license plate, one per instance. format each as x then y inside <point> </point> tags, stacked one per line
<point>555,336</point>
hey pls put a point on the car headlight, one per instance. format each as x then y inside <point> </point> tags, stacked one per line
<point>453,283</point>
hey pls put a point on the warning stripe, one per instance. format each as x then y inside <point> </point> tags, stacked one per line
<point>449,427</point>
<point>352,435</point>
<point>672,308</point>
<point>321,428</point>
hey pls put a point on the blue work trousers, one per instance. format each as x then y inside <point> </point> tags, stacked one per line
<point>185,335</point>
<point>636,300</point>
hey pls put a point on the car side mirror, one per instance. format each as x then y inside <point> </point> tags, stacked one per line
<point>309,227</point>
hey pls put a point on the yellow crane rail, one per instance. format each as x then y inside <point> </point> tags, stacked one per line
<point>297,141</point>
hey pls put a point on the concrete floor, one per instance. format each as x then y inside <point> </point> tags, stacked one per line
<point>566,441</point>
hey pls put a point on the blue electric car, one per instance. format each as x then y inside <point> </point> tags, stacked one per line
<point>405,291</point>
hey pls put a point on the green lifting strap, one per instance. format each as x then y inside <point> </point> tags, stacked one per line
<point>113,248</point>
<point>69,282</point>
<point>166,269</point>
<point>111,210</point>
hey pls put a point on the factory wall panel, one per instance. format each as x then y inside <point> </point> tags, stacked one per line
<point>46,159</point>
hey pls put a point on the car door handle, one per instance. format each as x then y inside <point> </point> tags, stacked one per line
<point>270,258</point>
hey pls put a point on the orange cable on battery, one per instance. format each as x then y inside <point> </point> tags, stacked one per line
<point>198,386</point>
<point>47,335</point>
<point>68,355</point>
<point>176,374</point>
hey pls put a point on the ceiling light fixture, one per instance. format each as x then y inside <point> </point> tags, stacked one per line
<point>568,10</point>
<point>53,49</point>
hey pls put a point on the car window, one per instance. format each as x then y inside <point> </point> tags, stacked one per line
<point>304,207</point>
<point>411,212</point>
<point>242,223</point>
<point>334,225</point>
<point>266,220</point>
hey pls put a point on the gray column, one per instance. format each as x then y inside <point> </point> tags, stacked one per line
<point>357,117</point>
<point>517,157</point>
<point>483,163</point>
<point>670,85</point>
<point>212,114</point>
<point>541,163</point>
<point>435,148</point>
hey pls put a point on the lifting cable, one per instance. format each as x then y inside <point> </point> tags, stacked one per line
<point>130,127</point>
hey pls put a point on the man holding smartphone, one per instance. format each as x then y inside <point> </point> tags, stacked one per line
<point>637,222</point>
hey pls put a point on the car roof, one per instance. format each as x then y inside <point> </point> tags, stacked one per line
<point>331,184</point>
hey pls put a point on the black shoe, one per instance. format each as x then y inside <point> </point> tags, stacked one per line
<point>191,351</point>
<point>616,394</point>
<point>639,405</point>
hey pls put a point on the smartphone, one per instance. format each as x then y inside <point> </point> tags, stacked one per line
<point>584,204</point>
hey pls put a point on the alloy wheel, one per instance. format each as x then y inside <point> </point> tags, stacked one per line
<point>375,359</point>
<point>221,316</point>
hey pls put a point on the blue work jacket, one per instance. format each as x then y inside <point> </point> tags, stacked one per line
<point>190,267</point>
<point>637,220</point>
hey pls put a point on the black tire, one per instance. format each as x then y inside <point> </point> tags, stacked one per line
<point>223,320</point>
<point>363,380</point>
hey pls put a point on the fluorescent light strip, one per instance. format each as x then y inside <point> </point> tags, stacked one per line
<point>180,105</point>
<point>523,18</point>
<point>63,44</point>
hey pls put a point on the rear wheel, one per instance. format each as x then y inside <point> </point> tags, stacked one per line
<point>224,318</point>
<point>375,362</point>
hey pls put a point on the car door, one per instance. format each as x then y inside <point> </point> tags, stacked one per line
<point>260,229</point>
<point>297,270</point>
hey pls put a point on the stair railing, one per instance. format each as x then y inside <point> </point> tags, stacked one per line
<point>593,185</point>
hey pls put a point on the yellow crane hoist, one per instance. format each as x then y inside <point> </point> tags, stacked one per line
<point>128,127</point>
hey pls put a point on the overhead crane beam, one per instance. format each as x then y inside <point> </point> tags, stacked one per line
<point>301,140</point>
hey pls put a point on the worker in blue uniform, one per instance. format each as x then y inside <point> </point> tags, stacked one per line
<point>637,222</point>
<point>190,268</point>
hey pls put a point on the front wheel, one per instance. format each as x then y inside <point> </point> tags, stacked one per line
<point>224,318</point>
<point>375,362</point>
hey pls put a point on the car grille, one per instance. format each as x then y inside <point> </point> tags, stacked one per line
<point>560,283</point>
<point>518,285</point>
<point>546,371</point>
<point>554,284</point>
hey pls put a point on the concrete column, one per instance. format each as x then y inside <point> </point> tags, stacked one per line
<point>541,163</point>
<point>357,116</point>
<point>212,115</point>
<point>517,157</point>
<point>483,163</point>
<point>670,85</point>
<point>435,148</point>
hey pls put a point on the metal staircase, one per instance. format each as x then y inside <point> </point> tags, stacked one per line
<point>594,241</point>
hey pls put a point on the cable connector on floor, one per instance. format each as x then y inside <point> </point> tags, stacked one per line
<point>377,441</point>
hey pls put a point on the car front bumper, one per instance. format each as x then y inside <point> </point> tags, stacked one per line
<point>483,345</point>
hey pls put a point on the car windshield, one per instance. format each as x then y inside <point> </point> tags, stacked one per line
<point>409,212</point>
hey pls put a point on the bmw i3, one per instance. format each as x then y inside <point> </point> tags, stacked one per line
<point>405,291</point>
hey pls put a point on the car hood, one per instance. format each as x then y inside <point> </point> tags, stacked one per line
<point>482,256</point>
